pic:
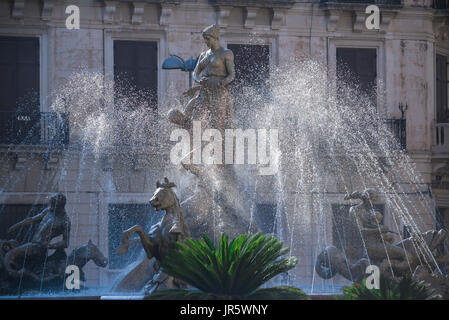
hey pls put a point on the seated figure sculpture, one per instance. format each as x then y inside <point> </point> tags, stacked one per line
<point>31,265</point>
<point>53,222</point>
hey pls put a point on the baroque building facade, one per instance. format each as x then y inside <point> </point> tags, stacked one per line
<point>409,54</point>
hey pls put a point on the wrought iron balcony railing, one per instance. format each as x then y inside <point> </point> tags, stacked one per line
<point>34,128</point>
<point>373,140</point>
<point>398,128</point>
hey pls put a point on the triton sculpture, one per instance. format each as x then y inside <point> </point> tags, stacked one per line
<point>400,257</point>
<point>30,265</point>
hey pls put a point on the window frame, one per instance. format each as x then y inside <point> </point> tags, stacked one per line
<point>157,36</point>
<point>356,43</point>
<point>133,43</point>
<point>444,54</point>
<point>45,67</point>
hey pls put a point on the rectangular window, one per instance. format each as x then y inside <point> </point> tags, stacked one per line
<point>440,4</point>
<point>122,217</point>
<point>19,74</point>
<point>12,213</point>
<point>252,64</point>
<point>135,67</point>
<point>441,84</point>
<point>19,90</point>
<point>361,63</point>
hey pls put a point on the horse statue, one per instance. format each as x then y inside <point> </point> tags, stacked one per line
<point>85,253</point>
<point>161,237</point>
<point>379,247</point>
<point>50,271</point>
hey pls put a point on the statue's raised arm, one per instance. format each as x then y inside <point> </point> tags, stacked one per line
<point>28,221</point>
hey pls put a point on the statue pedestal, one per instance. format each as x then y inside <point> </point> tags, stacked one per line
<point>218,205</point>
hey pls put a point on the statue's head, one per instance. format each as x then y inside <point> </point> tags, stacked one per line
<point>211,34</point>
<point>164,197</point>
<point>57,201</point>
<point>96,255</point>
<point>370,194</point>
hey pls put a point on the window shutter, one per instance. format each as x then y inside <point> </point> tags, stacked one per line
<point>441,89</point>
<point>252,64</point>
<point>19,74</point>
<point>135,64</point>
<point>362,64</point>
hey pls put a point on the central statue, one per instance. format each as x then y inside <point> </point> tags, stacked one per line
<point>220,205</point>
<point>211,101</point>
<point>214,72</point>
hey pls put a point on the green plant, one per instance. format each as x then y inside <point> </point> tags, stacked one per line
<point>233,271</point>
<point>391,289</point>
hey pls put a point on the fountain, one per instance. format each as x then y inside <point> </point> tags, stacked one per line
<point>332,142</point>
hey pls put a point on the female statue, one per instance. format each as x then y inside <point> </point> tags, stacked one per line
<point>212,102</point>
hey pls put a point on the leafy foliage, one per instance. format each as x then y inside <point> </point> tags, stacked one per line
<point>235,270</point>
<point>275,293</point>
<point>390,289</point>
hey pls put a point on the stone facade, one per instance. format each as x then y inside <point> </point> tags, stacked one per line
<point>411,34</point>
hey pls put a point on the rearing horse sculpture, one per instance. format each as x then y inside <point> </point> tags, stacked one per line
<point>162,236</point>
<point>170,229</point>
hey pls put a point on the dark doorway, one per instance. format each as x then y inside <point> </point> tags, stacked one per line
<point>265,217</point>
<point>135,68</point>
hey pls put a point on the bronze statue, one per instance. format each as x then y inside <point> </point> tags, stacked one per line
<point>161,237</point>
<point>211,103</point>
<point>379,247</point>
<point>28,266</point>
<point>53,222</point>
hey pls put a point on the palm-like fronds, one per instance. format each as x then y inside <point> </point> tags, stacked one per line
<point>236,269</point>
<point>275,293</point>
<point>278,293</point>
<point>390,289</point>
<point>181,294</point>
